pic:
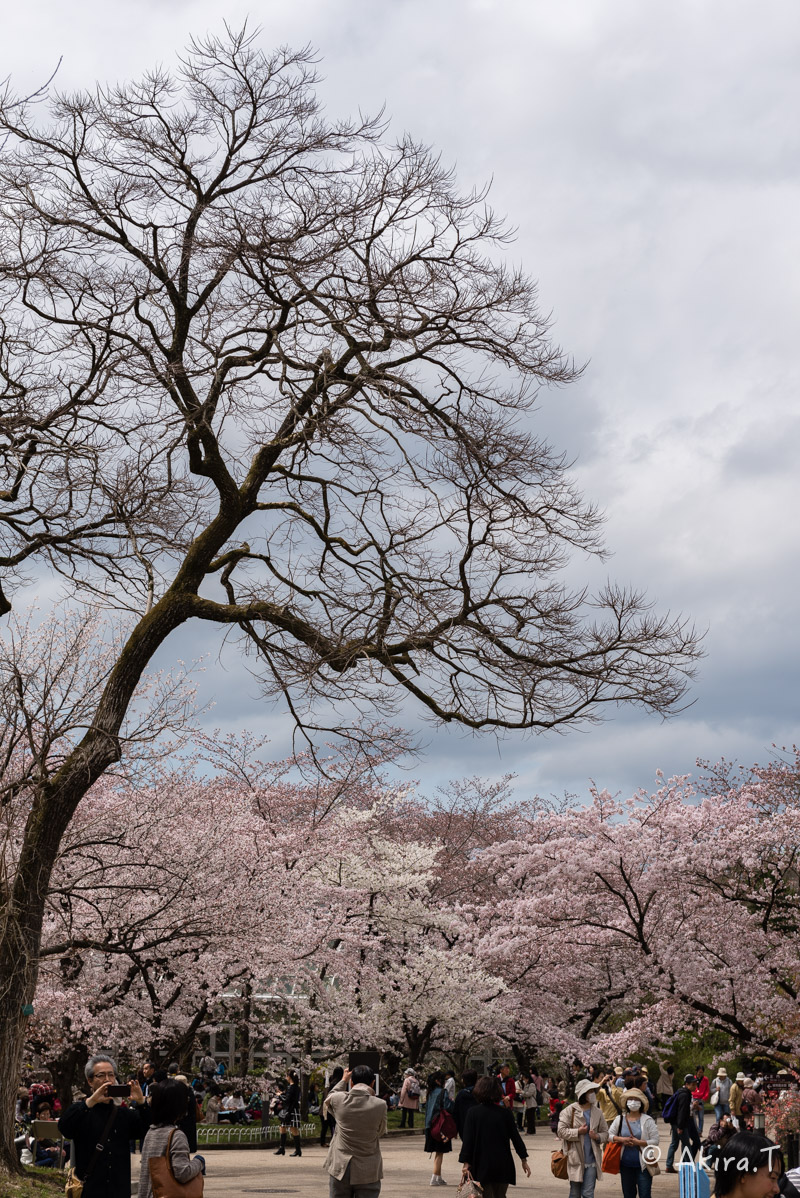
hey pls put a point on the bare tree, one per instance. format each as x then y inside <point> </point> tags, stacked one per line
<point>271,373</point>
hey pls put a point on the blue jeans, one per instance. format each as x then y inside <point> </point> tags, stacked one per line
<point>722,1108</point>
<point>633,1180</point>
<point>690,1139</point>
<point>585,1188</point>
<point>699,1116</point>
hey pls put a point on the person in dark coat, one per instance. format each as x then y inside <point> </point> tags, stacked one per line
<point>684,1129</point>
<point>489,1132</point>
<point>84,1123</point>
<point>465,1100</point>
<point>290,1115</point>
<point>188,1124</point>
<point>327,1121</point>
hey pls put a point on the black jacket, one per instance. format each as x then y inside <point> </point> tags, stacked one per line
<point>489,1132</point>
<point>464,1102</point>
<point>188,1123</point>
<point>111,1175</point>
<point>291,1100</point>
<point>681,1114</point>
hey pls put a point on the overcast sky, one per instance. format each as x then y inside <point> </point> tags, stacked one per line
<point>648,154</point>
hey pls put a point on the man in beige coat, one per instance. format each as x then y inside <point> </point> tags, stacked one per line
<point>583,1130</point>
<point>354,1159</point>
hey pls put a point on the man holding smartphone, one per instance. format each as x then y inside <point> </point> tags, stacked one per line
<point>101,1130</point>
<point>354,1163</point>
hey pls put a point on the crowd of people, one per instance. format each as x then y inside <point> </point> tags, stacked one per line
<point>37,1102</point>
<point>620,1106</point>
<point>589,1109</point>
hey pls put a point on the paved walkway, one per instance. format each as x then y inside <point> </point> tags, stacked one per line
<point>407,1172</point>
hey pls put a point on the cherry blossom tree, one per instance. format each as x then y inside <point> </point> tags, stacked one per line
<point>669,912</point>
<point>136,950</point>
<point>397,978</point>
<point>330,893</point>
<point>375,915</point>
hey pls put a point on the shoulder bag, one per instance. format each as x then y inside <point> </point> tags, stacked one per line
<point>443,1126</point>
<point>74,1186</point>
<point>559,1161</point>
<point>612,1153</point>
<point>164,1182</point>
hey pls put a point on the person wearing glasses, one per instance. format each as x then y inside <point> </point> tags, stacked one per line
<point>102,1130</point>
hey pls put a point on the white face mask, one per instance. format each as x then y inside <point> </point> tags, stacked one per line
<point>633,1105</point>
<point>591,1098</point>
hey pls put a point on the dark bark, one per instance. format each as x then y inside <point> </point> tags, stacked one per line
<point>68,1072</point>
<point>522,1055</point>
<point>418,1041</point>
<point>243,1030</point>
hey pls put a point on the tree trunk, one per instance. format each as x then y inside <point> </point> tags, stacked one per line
<point>16,991</point>
<point>419,1042</point>
<point>243,1031</point>
<point>305,1075</point>
<point>54,802</point>
<point>459,1062</point>
<point>23,915</point>
<point>68,1072</point>
<point>522,1056</point>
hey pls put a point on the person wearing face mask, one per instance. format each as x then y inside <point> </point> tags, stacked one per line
<point>583,1129</point>
<point>637,1133</point>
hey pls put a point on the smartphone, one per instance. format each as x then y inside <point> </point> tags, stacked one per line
<point>118,1091</point>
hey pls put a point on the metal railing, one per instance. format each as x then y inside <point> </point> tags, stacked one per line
<point>210,1134</point>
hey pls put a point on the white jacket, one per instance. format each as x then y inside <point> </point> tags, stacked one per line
<point>649,1133</point>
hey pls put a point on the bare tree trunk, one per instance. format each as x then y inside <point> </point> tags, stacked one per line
<point>522,1056</point>
<point>16,992</point>
<point>54,804</point>
<point>419,1042</point>
<point>67,1072</point>
<point>305,1075</point>
<point>181,1050</point>
<point>243,1031</point>
<point>19,954</point>
<point>458,1060</point>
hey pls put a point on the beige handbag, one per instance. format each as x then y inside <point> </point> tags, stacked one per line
<point>74,1186</point>
<point>468,1187</point>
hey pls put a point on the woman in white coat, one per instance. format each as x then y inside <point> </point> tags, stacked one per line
<point>583,1130</point>
<point>638,1135</point>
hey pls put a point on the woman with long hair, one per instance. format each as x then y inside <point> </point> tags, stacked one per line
<point>437,1101</point>
<point>290,1114</point>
